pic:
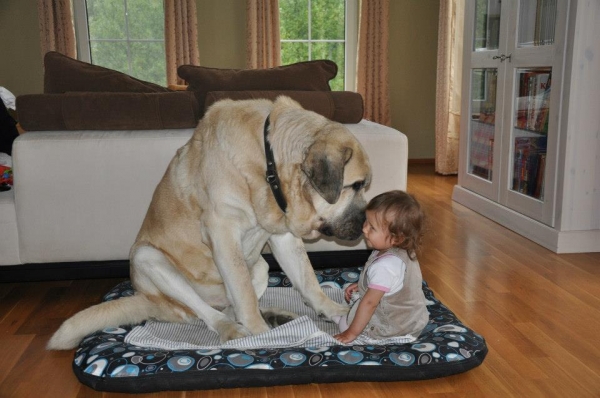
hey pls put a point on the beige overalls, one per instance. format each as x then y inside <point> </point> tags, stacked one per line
<point>402,313</point>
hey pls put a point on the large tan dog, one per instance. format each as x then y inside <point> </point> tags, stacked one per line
<point>198,253</point>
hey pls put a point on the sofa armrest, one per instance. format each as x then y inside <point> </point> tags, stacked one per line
<point>82,195</point>
<point>388,154</point>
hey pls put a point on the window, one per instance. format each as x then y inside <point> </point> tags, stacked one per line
<point>124,35</point>
<point>321,29</point>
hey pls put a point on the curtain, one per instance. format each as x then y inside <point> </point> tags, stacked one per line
<point>56,27</point>
<point>373,62</point>
<point>263,49</point>
<point>181,37</point>
<point>449,82</point>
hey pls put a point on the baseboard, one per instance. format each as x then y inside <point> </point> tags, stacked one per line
<point>120,268</point>
<point>64,271</point>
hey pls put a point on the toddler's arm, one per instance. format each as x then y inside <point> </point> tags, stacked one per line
<point>365,310</point>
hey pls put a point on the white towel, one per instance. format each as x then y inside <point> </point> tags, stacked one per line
<point>306,331</point>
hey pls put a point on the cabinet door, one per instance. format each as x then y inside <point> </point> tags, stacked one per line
<point>483,81</point>
<point>512,80</point>
<point>533,82</point>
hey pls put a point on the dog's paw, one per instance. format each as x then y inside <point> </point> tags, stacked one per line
<point>229,330</point>
<point>277,316</point>
<point>331,309</point>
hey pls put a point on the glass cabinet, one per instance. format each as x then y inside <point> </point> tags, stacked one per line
<point>529,138</point>
<point>513,60</point>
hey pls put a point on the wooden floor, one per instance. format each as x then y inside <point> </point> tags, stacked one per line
<point>539,312</point>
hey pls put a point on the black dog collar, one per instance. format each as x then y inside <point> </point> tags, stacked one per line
<point>272,177</point>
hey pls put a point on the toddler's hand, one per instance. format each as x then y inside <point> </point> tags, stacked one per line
<point>349,290</point>
<point>345,337</point>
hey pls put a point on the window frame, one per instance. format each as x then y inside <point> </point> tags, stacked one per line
<point>350,42</point>
<point>82,33</point>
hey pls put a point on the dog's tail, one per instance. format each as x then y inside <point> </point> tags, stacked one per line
<point>124,311</point>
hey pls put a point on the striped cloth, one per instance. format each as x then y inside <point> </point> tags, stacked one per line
<point>309,330</point>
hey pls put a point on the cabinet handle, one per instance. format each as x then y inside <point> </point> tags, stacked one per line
<point>503,57</point>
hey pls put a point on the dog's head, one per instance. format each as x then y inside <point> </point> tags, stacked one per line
<point>326,176</point>
<point>338,171</point>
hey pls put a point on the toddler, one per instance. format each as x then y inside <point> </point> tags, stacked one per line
<point>388,300</point>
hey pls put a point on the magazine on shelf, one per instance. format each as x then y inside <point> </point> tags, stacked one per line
<point>529,164</point>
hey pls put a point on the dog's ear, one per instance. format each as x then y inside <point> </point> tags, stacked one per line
<point>324,167</point>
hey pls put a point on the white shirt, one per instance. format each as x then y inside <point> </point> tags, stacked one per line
<point>386,274</point>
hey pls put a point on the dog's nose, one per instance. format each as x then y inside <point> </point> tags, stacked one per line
<point>362,220</point>
<point>326,230</point>
<point>356,229</point>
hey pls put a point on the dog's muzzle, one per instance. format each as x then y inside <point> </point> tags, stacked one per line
<point>347,227</point>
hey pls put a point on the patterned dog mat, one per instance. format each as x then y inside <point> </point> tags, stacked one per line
<point>105,361</point>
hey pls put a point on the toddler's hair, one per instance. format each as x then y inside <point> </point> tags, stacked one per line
<point>402,215</point>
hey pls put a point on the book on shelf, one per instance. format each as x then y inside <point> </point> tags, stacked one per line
<point>529,161</point>
<point>534,101</point>
<point>481,148</point>
<point>482,172</point>
<point>539,186</point>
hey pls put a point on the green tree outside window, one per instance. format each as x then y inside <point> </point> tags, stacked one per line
<point>313,29</point>
<point>128,36</point>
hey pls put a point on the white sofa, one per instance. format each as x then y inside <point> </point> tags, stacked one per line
<point>81,196</point>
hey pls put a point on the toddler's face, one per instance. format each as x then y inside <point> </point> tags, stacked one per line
<point>377,235</point>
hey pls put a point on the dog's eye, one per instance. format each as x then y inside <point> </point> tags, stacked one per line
<point>357,186</point>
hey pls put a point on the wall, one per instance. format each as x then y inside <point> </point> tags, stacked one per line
<point>222,43</point>
<point>20,52</point>
<point>222,33</point>
<point>413,61</point>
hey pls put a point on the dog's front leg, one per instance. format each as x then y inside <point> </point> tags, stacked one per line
<point>291,255</point>
<point>229,259</point>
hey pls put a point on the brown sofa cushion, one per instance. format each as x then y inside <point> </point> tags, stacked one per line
<point>63,74</point>
<point>309,75</point>
<point>339,106</point>
<point>108,111</point>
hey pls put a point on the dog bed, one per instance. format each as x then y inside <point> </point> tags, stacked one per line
<point>105,362</point>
